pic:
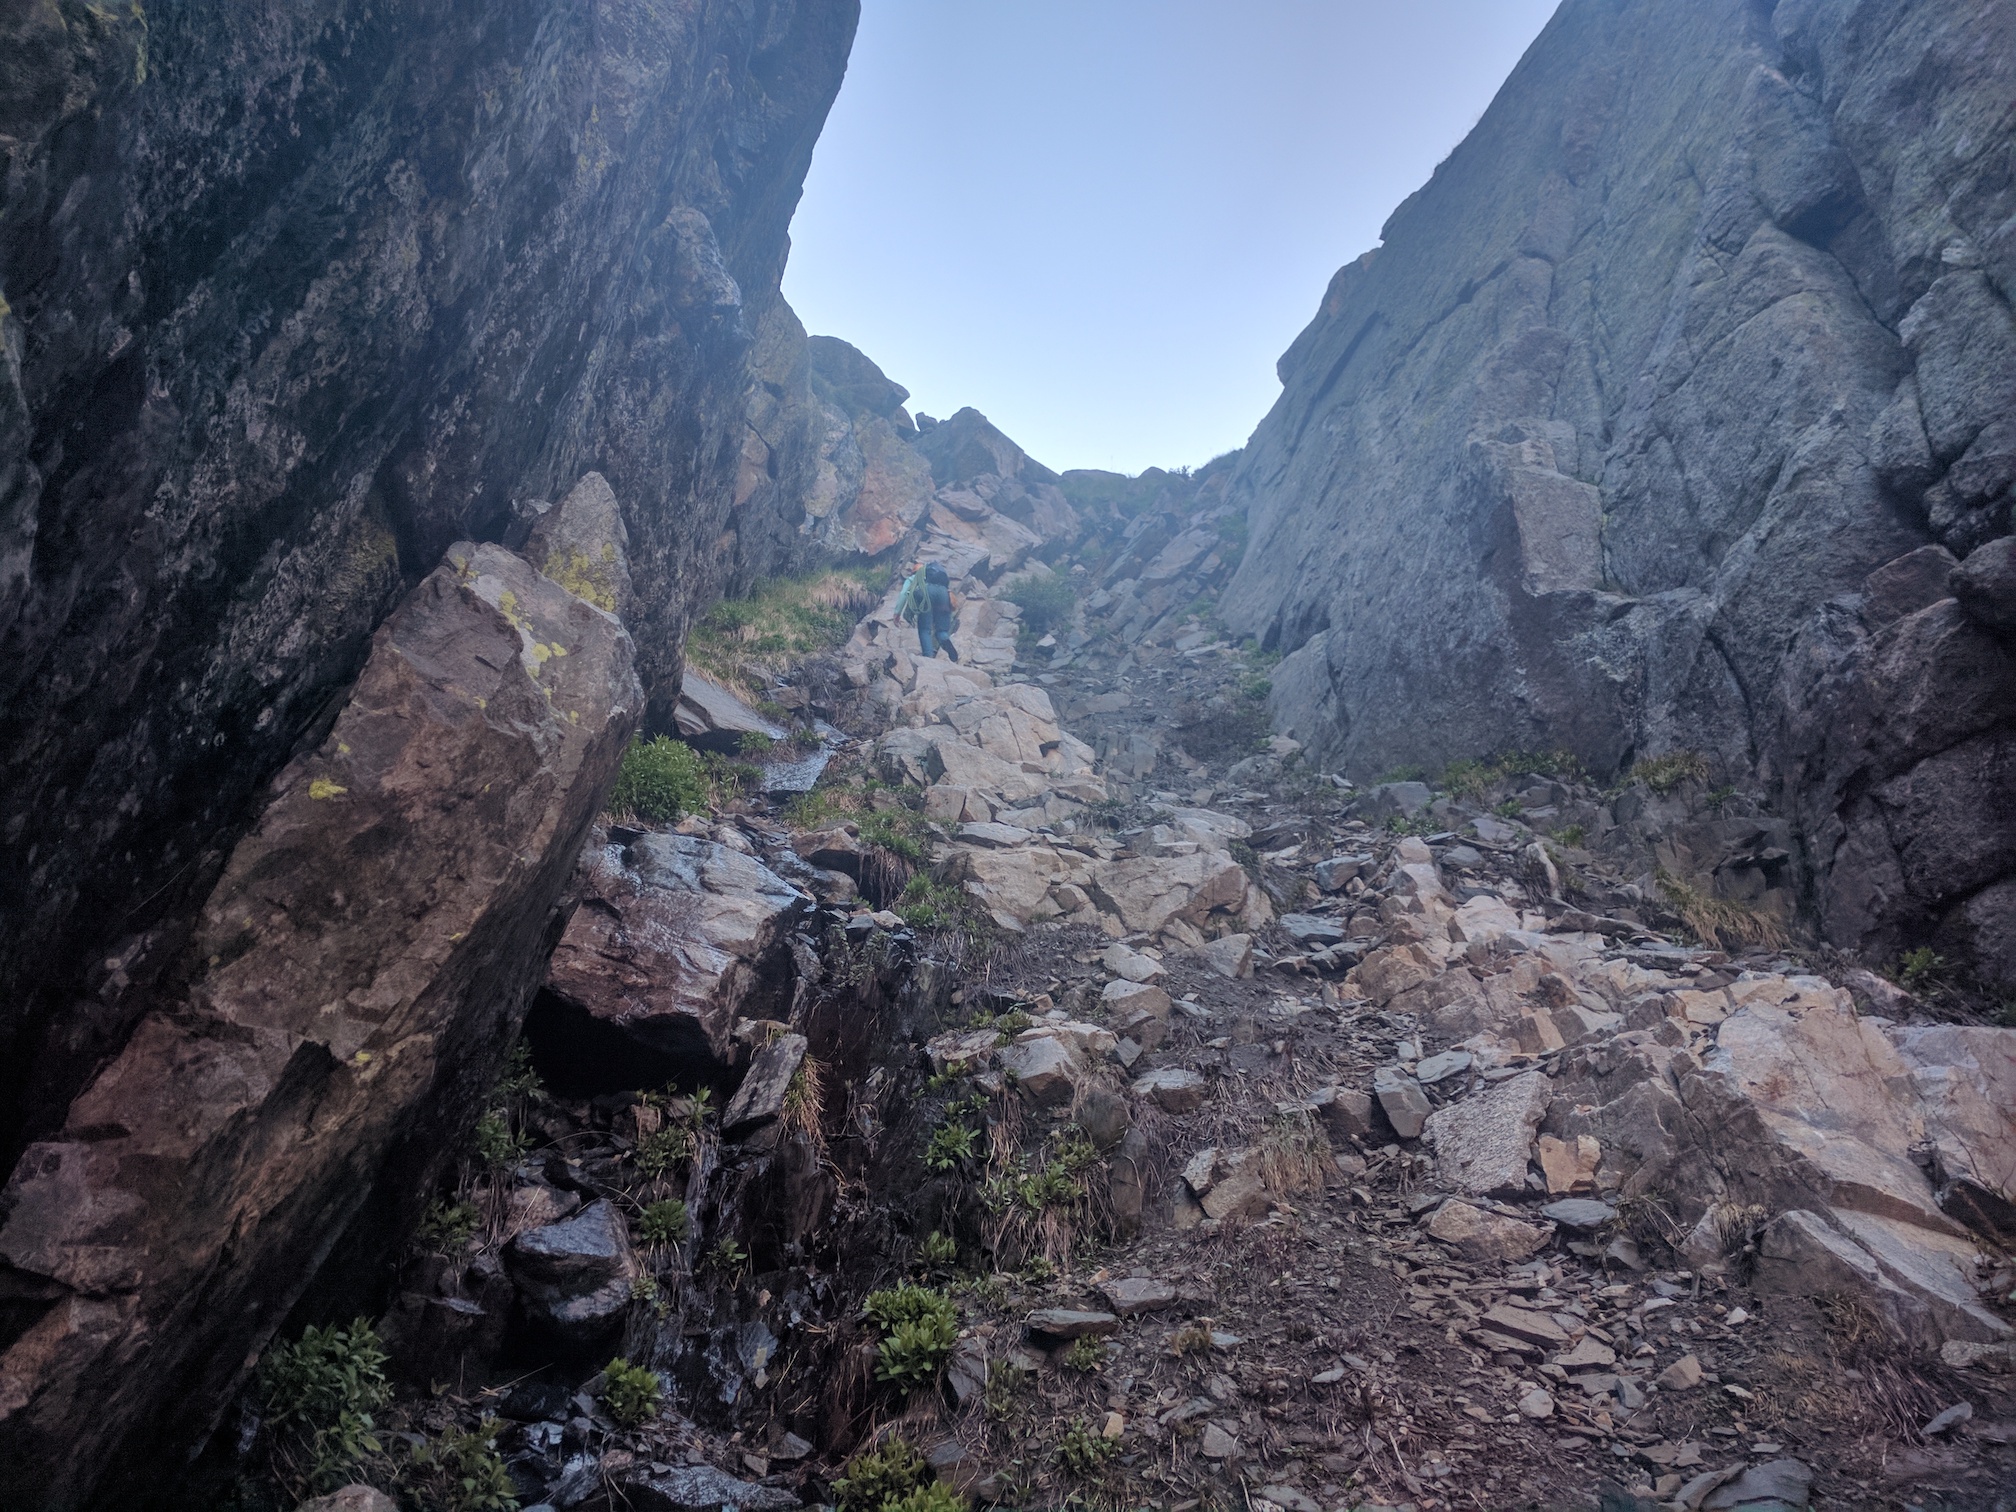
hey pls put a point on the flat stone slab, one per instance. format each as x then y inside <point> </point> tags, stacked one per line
<point>1579,1213</point>
<point>1069,1323</point>
<point>1535,1328</point>
<point>1138,1294</point>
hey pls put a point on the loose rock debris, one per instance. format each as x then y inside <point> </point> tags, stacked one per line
<point>1276,1142</point>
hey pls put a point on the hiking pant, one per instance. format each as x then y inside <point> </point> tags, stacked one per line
<point>934,629</point>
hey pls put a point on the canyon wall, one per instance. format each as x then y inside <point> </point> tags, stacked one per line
<point>1660,420</point>
<point>293,300</point>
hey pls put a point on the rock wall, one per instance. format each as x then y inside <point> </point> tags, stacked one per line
<point>1609,444</point>
<point>291,298</point>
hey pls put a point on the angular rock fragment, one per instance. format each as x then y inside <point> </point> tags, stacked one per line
<point>1172,1089</point>
<point>765,1087</point>
<point>1044,1071</point>
<point>1487,1238</point>
<point>1070,1323</point>
<point>1482,1143</point>
<point>1400,1097</point>
<point>1138,1294</point>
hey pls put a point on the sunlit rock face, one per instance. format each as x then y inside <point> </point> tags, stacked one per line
<point>1610,442</point>
<point>295,296</point>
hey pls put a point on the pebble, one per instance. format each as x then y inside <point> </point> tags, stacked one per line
<point>1537,1404</point>
<point>1684,1374</point>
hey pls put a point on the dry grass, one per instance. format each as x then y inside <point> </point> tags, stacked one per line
<point>1719,923</point>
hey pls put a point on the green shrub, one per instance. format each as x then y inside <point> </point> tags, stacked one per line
<point>447,1227</point>
<point>727,1255</point>
<point>939,1249</point>
<point>664,1222</point>
<point>495,1143</point>
<point>320,1394</point>
<point>1045,602</point>
<point>755,743</point>
<point>660,780</point>
<point>630,1392</point>
<point>1919,969</point>
<point>919,1326</point>
<point>875,1479</point>
<point>459,1471</point>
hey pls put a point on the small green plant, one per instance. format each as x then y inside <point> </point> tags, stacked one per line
<point>1667,774</point>
<point>630,1392</point>
<point>447,1227</point>
<point>936,1497</point>
<point>950,1146</point>
<point>1574,836</point>
<point>660,780</point>
<point>1404,773</point>
<point>1417,824</point>
<point>520,1082</point>
<point>699,1107</point>
<point>1255,687</point>
<point>939,1251</point>
<point>459,1470</point>
<point>919,1326</point>
<point>662,1149</point>
<point>1718,922</point>
<point>1082,1453</point>
<point>755,743</point>
<point>495,1142</point>
<point>1919,969</point>
<point>1510,808</point>
<point>664,1222</point>
<point>1004,1382</point>
<point>1045,601</point>
<point>880,1476</point>
<point>727,1256</point>
<point>1466,779</point>
<point>1086,1355</point>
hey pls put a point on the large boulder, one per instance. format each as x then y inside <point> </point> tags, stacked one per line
<point>574,1277</point>
<point>351,985</point>
<point>1150,892</point>
<point>674,938</point>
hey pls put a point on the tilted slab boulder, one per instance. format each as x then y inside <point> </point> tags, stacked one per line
<point>673,938</point>
<point>345,1001</point>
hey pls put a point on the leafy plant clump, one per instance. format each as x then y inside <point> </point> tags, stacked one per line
<point>1920,969</point>
<point>662,1149</point>
<point>1083,1453</point>
<point>494,1142</point>
<point>460,1471</point>
<point>741,642</point>
<point>447,1227</point>
<point>936,1497</point>
<point>1045,602</point>
<point>630,1392</point>
<point>939,1250</point>
<point>1086,1355</point>
<point>919,1326</point>
<point>664,1222</point>
<point>881,1477</point>
<point>321,1394</point>
<point>661,780</point>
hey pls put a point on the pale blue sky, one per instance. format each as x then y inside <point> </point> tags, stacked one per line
<point>1100,221</point>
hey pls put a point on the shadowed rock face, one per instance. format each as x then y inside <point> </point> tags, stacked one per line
<point>1706,323</point>
<point>341,1007</point>
<point>295,296</point>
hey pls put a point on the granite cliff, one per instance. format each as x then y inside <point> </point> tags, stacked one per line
<point>1661,420</point>
<point>307,310</point>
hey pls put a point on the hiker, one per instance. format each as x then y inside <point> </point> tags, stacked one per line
<point>939,617</point>
<point>914,603</point>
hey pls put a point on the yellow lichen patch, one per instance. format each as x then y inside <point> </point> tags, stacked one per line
<point>573,571</point>
<point>322,787</point>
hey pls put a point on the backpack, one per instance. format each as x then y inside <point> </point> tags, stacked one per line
<point>914,598</point>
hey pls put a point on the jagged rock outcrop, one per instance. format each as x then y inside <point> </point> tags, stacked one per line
<point>330,1022</point>
<point>1609,444</point>
<point>292,297</point>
